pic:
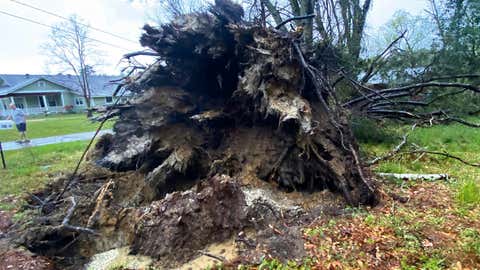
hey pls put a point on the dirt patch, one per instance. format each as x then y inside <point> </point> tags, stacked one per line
<point>24,260</point>
<point>5,221</point>
<point>175,228</point>
<point>224,251</point>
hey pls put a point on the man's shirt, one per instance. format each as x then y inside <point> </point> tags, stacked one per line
<point>18,116</point>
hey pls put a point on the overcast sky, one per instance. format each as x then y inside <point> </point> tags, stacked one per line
<point>20,40</point>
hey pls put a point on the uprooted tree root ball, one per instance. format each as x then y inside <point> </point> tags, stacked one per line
<point>222,132</point>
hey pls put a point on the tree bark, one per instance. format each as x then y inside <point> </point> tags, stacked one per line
<point>274,12</point>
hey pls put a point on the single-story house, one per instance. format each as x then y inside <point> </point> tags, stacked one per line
<point>37,94</point>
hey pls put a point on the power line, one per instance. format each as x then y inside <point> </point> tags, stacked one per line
<point>56,28</point>
<point>65,18</point>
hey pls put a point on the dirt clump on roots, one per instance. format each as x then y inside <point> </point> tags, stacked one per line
<point>225,139</point>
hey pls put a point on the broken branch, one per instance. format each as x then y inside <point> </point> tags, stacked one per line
<point>395,150</point>
<point>294,19</point>
<point>65,223</point>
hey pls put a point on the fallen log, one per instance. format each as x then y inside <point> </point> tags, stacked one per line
<point>414,176</point>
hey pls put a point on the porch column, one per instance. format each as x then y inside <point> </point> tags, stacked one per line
<point>63,99</point>
<point>2,105</point>
<point>12,100</point>
<point>25,104</point>
<point>45,102</point>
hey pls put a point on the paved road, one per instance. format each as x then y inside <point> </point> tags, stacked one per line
<point>52,140</point>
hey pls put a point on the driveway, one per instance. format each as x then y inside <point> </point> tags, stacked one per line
<point>83,136</point>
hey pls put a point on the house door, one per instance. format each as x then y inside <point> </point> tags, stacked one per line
<point>40,100</point>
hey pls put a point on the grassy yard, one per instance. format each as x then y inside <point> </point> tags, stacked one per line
<point>30,168</point>
<point>54,125</point>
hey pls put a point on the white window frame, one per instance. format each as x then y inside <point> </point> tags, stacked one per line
<point>79,101</point>
<point>108,102</point>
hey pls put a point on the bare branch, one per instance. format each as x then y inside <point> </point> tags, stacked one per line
<point>65,223</point>
<point>216,257</point>
<point>274,12</point>
<point>438,153</point>
<point>294,19</point>
<point>143,53</point>
<point>370,69</point>
<point>444,154</point>
<point>405,90</point>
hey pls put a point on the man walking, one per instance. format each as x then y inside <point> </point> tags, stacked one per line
<point>19,117</point>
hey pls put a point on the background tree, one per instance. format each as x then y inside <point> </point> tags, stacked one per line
<point>424,50</point>
<point>71,50</point>
<point>337,24</point>
<point>412,40</point>
<point>458,23</point>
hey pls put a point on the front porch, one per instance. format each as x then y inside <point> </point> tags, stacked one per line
<point>34,104</point>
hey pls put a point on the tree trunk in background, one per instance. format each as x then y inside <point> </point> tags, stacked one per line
<point>306,9</point>
<point>340,23</point>
<point>358,28</point>
<point>274,12</point>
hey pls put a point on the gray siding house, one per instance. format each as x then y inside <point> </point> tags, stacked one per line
<point>38,94</point>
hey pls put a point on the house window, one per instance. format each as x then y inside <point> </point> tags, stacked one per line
<point>52,101</point>
<point>41,84</point>
<point>19,103</point>
<point>108,99</point>
<point>79,101</point>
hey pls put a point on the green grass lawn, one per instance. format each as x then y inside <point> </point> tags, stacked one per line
<point>30,168</point>
<point>455,139</point>
<point>53,125</point>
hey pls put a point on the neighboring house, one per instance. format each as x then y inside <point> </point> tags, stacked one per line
<point>37,94</point>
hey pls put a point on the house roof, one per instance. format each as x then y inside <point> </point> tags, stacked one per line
<point>100,85</point>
